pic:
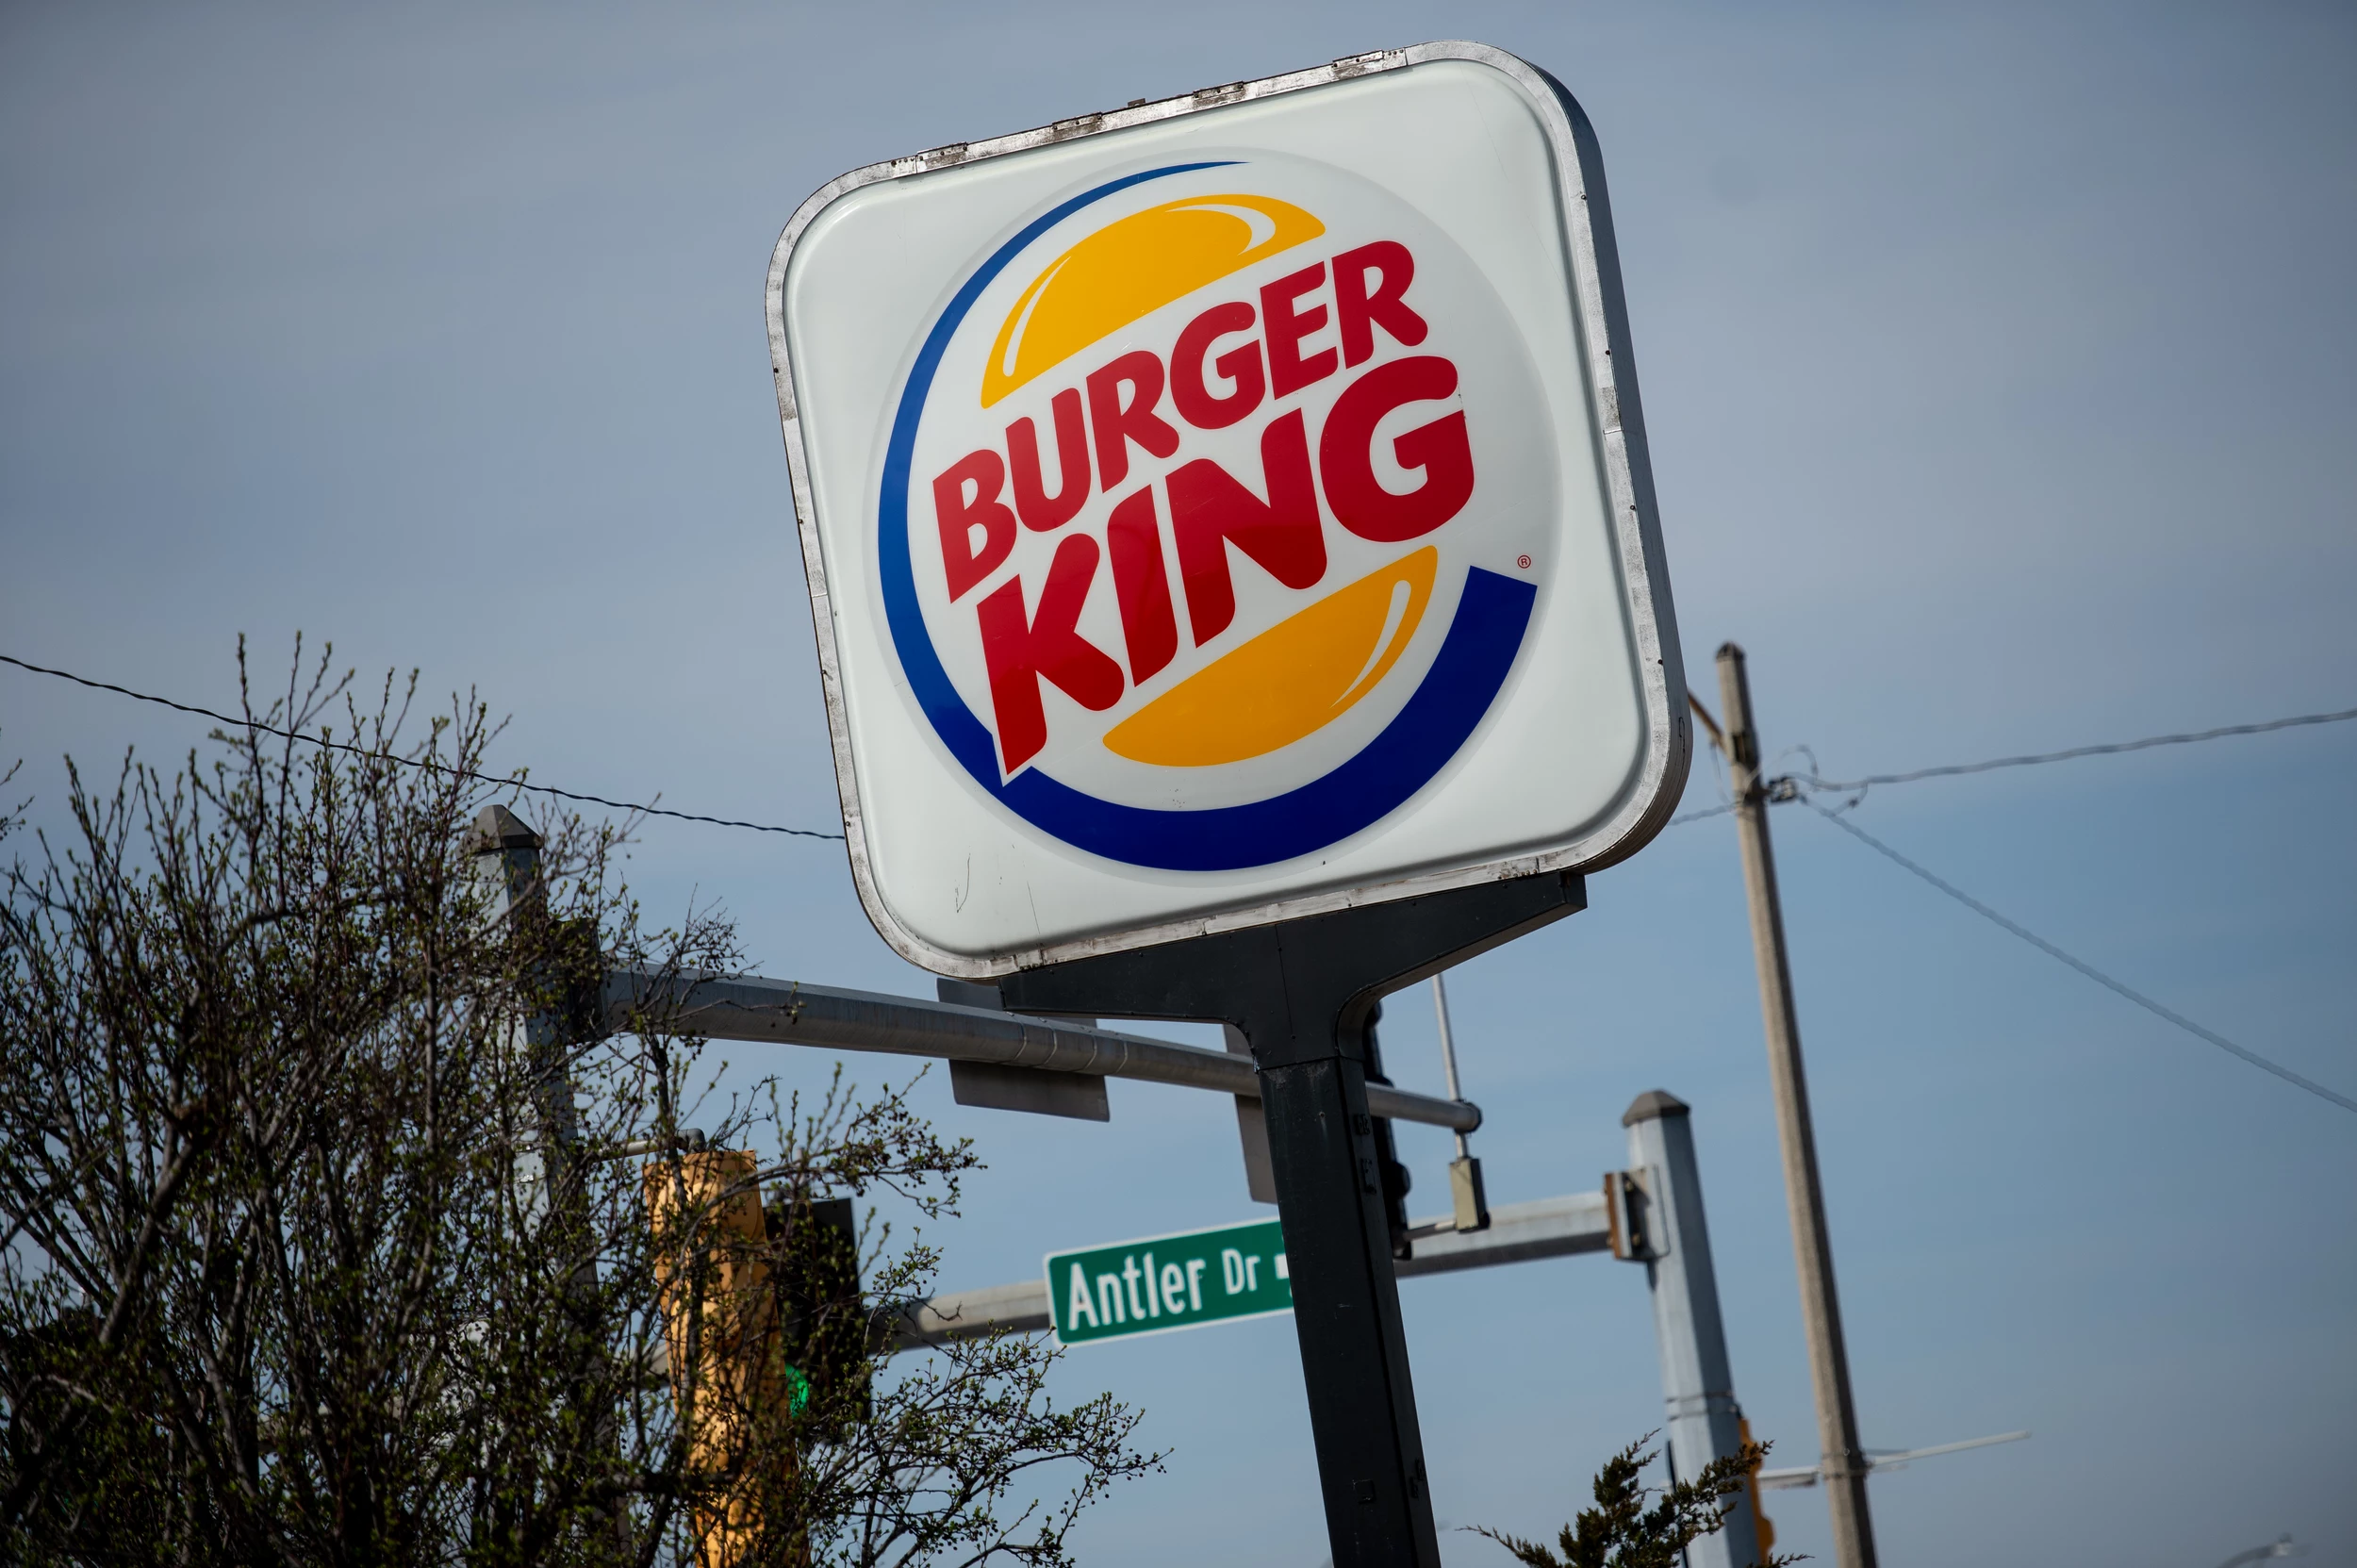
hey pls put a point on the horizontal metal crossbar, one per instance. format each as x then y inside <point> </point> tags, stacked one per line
<point>1517,1232</point>
<point>793,1013</point>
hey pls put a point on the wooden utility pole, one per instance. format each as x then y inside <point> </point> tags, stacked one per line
<point>1844,1464</point>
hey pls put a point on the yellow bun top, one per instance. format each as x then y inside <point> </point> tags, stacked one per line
<point>1130,267</point>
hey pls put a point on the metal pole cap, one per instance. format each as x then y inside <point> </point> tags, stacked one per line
<point>1651,1104</point>
<point>498,829</point>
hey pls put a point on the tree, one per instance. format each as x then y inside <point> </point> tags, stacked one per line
<point>325,1174</point>
<point>1621,1532</point>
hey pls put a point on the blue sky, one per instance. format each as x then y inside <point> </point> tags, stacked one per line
<point>2000,365</point>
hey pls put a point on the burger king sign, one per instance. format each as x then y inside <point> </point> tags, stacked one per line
<point>1226,508</point>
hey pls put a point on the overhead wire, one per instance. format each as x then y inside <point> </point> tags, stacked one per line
<point>1804,787</point>
<point>1793,786</point>
<point>1790,784</point>
<point>497,780</point>
<point>1839,786</point>
<point>1789,788</point>
<point>2122,988</point>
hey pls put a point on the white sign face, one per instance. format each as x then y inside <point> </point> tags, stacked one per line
<point>1227,509</point>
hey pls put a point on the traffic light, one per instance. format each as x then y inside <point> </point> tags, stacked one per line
<point>823,1331</point>
<point>769,1295</point>
<point>715,1286</point>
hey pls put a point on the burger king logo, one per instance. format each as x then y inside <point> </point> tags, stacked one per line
<point>1215,508</point>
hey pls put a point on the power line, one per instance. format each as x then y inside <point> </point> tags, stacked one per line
<point>1783,788</point>
<point>412,762</point>
<point>1855,831</point>
<point>1790,786</point>
<point>1952,770</point>
<point>2082,965</point>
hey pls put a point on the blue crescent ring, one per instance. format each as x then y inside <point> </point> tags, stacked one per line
<point>1492,613</point>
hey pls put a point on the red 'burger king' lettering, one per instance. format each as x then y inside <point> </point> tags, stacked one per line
<point>1141,586</point>
<point>1358,313</point>
<point>965,560</point>
<point>1038,510</point>
<point>1441,448</point>
<point>1208,508</point>
<point>1120,422</point>
<point>1020,652</point>
<point>1240,365</point>
<point>1288,372</point>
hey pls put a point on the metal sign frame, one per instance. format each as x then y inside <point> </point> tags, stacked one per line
<point>1617,425</point>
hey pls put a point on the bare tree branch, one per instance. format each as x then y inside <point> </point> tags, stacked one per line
<point>294,1270</point>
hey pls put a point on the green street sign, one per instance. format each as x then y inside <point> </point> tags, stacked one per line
<point>1166,1283</point>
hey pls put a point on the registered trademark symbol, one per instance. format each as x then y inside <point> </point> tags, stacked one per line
<point>1522,561</point>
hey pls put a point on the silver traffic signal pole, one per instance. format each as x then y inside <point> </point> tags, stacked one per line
<point>1845,1463</point>
<point>506,854</point>
<point>1697,1381</point>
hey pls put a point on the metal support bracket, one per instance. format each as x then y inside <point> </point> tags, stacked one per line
<point>1302,994</point>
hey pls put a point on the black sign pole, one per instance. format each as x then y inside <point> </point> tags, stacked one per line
<point>1302,993</point>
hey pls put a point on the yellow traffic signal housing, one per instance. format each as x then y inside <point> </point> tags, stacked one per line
<point>713,1284</point>
<point>1751,1485</point>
